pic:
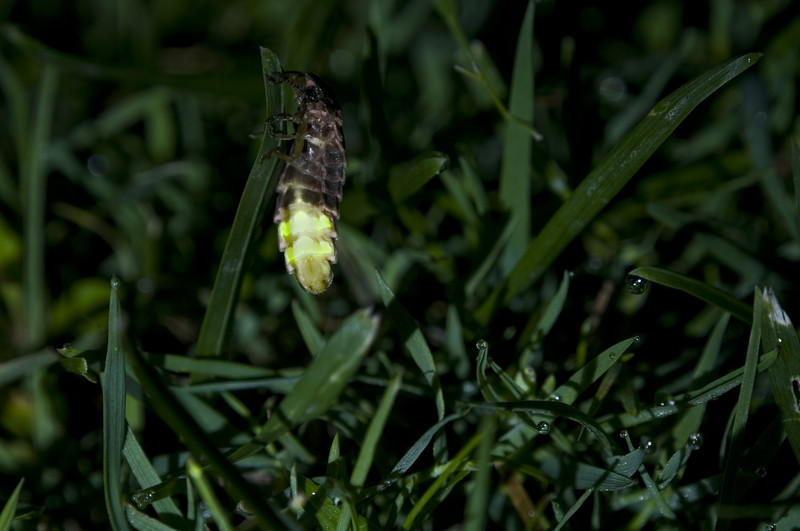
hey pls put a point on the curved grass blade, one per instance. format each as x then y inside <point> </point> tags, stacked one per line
<point>413,341</point>
<point>608,178</point>
<point>10,507</point>
<point>113,383</point>
<point>556,409</point>
<point>407,178</point>
<point>146,476</point>
<point>168,407</point>
<point>697,289</point>
<point>778,333</point>
<point>366,453</point>
<point>142,522</point>
<point>323,382</point>
<point>257,193</point>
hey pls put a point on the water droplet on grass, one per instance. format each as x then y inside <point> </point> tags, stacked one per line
<point>636,285</point>
<point>543,427</point>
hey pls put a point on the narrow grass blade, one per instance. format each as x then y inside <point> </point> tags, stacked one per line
<point>515,179</point>
<point>539,325</point>
<point>475,517</point>
<point>313,339</point>
<point>557,409</point>
<point>369,444</point>
<point>146,475</point>
<point>17,368</point>
<point>778,333</point>
<point>413,341</point>
<point>142,522</point>
<point>573,509</point>
<point>206,367</point>
<point>167,406</point>
<point>452,466</point>
<point>588,374</point>
<point>113,383</point>
<point>10,507</point>
<point>258,191</point>
<point>323,382</point>
<point>206,492</point>
<point>34,190</point>
<point>796,180</point>
<point>407,178</point>
<point>697,289</point>
<point>608,178</point>
<point>418,447</point>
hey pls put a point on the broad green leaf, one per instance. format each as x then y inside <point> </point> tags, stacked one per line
<point>697,289</point>
<point>258,191</point>
<point>607,179</point>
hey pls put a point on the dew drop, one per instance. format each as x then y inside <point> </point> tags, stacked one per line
<point>624,434</point>
<point>613,355</point>
<point>555,398</point>
<point>647,446</point>
<point>696,441</point>
<point>571,274</point>
<point>114,282</point>
<point>665,400</point>
<point>761,472</point>
<point>543,427</point>
<point>482,345</point>
<point>636,285</point>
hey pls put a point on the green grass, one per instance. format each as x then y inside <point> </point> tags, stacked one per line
<point>565,286</point>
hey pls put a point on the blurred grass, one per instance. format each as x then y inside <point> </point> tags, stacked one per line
<point>486,377</point>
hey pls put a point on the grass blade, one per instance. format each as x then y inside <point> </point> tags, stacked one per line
<point>366,453</point>
<point>608,177</point>
<point>515,181</point>
<point>257,193</point>
<point>323,382</point>
<point>742,410</point>
<point>146,475</point>
<point>34,190</point>
<point>778,333</point>
<point>113,383</point>
<point>415,344</point>
<point>407,178</point>
<point>697,289</point>
<point>10,507</point>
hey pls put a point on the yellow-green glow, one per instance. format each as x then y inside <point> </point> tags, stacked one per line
<point>307,239</point>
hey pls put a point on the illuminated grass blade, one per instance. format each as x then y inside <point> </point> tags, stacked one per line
<point>778,333</point>
<point>113,383</point>
<point>257,193</point>
<point>697,289</point>
<point>607,179</point>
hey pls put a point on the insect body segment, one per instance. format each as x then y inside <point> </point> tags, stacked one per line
<point>310,187</point>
